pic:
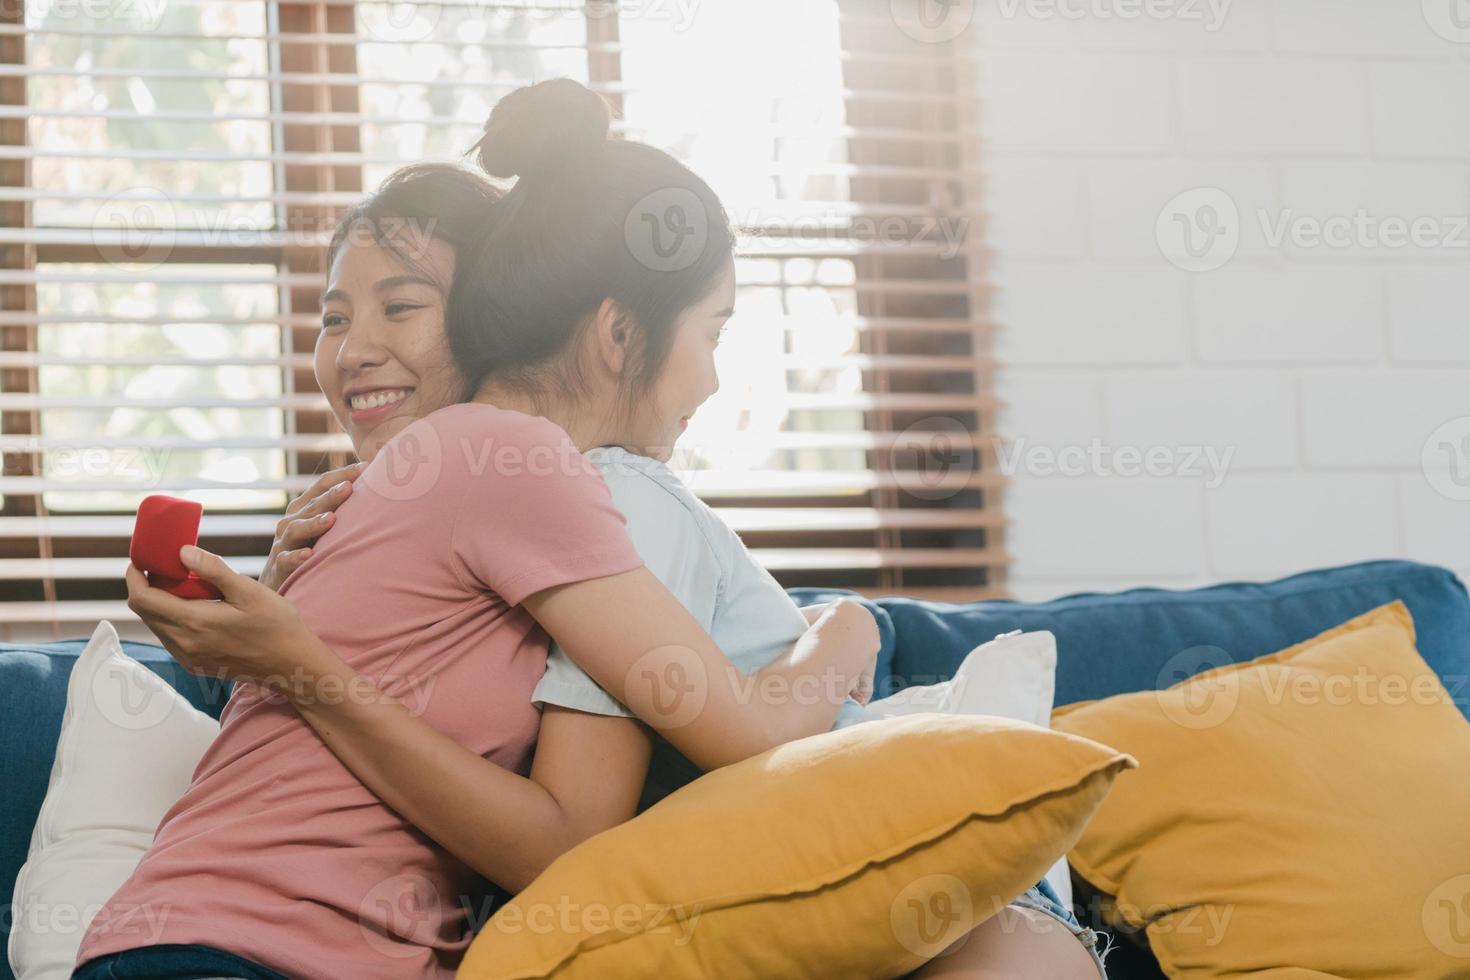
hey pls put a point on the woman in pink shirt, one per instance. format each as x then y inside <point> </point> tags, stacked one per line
<point>476,529</point>
<point>581,351</point>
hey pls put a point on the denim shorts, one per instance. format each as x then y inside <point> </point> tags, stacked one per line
<point>1041,897</point>
<point>173,961</point>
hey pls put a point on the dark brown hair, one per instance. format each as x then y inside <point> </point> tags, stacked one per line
<point>574,231</point>
<point>424,200</point>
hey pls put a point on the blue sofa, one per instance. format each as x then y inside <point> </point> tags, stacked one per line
<point>1143,639</point>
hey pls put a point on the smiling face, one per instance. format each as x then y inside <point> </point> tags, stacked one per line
<point>382,357</point>
<point>687,378</point>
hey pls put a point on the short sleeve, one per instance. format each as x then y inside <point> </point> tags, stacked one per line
<point>535,513</point>
<point>671,541</point>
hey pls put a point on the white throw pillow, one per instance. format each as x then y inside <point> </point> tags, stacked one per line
<point>128,749</point>
<point>1013,676</point>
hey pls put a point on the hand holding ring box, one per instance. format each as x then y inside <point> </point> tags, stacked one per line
<point>165,524</point>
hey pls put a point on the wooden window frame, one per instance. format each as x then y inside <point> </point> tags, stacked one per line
<point>926,347</point>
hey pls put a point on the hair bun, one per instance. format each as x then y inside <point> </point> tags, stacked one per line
<point>542,125</point>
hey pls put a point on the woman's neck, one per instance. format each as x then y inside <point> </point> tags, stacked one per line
<point>581,423</point>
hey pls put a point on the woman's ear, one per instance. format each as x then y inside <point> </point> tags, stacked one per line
<point>612,336</point>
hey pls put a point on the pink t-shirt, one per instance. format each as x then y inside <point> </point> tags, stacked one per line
<point>277,852</point>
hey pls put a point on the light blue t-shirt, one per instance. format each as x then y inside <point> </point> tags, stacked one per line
<point>707,567</point>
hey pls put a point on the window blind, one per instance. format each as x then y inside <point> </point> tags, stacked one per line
<point>170,174</point>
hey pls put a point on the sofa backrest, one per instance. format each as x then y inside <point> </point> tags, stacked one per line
<point>1147,639</point>
<point>1142,639</point>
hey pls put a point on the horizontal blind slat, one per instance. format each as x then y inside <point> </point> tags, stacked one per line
<point>766,520</point>
<point>919,60</point>
<point>23,359</point>
<point>296,37</point>
<point>776,559</point>
<point>847,559</point>
<point>151,243</point>
<point>707,483</point>
<point>338,442</point>
<point>862,324</point>
<point>163,274</point>
<point>305,362</point>
<point>303,117</point>
<point>793,401</point>
<point>908,97</point>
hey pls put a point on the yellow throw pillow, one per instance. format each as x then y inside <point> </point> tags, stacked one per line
<point>859,852</point>
<point>1307,812</point>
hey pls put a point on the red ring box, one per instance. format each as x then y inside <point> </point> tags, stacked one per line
<point>165,524</point>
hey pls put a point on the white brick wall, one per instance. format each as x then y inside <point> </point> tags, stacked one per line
<point>1317,360</point>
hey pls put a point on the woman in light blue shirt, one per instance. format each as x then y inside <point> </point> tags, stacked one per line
<point>748,614</point>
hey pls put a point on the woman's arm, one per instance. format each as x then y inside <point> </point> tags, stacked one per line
<point>842,630</point>
<point>635,640</point>
<point>588,770</point>
<point>587,775</point>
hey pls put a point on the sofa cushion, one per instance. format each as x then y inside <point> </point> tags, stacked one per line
<point>1147,639</point>
<point>33,682</point>
<point>959,814</point>
<point>128,750</point>
<point>1302,814</point>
